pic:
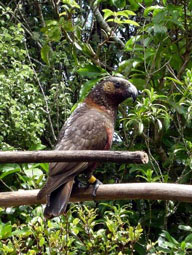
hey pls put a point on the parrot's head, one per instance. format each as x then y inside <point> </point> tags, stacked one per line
<point>112,91</point>
<point>118,89</point>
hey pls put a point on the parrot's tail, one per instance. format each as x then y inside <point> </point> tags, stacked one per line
<point>58,200</point>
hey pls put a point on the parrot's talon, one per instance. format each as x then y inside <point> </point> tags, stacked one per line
<point>96,185</point>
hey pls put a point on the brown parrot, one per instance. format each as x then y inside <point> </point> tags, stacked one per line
<point>90,127</point>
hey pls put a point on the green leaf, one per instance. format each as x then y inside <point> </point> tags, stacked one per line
<point>7,169</point>
<point>33,172</point>
<point>174,80</point>
<point>172,240</point>
<point>183,245</point>
<point>115,20</point>
<point>131,22</point>
<point>140,127</point>
<point>88,50</point>
<point>148,2</point>
<point>50,23</point>
<point>86,88</point>
<point>62,14</point>
<point>159,29</point>
<point>152,8</point>
<point>37,147</point>
<point>112,226</point>
<point>52,30</point>
<point>125,13</point>
<point>131,42</point>
<point>5,230</point>
<point>54,34</point>
<point>71,3</point>
<point>77,46</point>
<point>45,166</point>
<point>74,107</point>
<point>135,4</point>
<point>159,123</point>
<point>188,238</point>
<point>131,233</point>
<point>41,241</point>
<point>125,67</point>
<point>91,71</point>
<point>185,228</point>
<point>118,3</point>
<point>45,53</point>
<point>9,172</point>
<point>107,13</point>
<point>24,232</point>
<point>76,221</point>
<point>166,121</point>
<point>66,25</point>
<point>120,21</point>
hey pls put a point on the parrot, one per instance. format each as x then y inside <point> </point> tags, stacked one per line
<point>90,127</point>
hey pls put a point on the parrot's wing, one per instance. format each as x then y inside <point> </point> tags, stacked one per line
<point>89,131</point>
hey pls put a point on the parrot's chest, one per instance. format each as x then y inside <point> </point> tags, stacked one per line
<point>109,128</point>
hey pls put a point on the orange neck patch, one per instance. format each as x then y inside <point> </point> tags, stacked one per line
<point>90,103</point>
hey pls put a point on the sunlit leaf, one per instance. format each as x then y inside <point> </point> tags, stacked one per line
<point>159,123</point>
<point>140,127</point>
<point>71,3</point>
<point>152,8</point>
<point>131,22</point>
<point>174,80</point>
<point>107,13</point>
<point>77,46</point>
<point>125,13</point>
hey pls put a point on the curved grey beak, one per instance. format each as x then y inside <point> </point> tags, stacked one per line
<point>132,91</point>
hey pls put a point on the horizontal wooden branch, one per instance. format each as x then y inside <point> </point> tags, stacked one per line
<point>138,157</point>
<point>152,191</point>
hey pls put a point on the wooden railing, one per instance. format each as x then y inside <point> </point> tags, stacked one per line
<point>154,191</point>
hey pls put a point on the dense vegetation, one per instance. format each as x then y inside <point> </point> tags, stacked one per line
<point>51,54</point>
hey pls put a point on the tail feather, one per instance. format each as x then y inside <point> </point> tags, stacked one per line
<point>42,193</point>
<point>58,200</point>
<point>55,181</point>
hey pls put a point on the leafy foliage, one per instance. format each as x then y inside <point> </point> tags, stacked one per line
<point>21,116</point>
<point>50,57</point>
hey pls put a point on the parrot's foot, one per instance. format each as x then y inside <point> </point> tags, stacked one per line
<point>80,184</point>
<point>96,186</point>
<point>95,182</point>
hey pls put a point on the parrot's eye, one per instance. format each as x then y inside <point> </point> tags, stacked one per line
<point>117,85</point>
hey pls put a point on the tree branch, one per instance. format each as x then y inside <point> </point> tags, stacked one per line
<point>104,24</point>
<point>38,7</point>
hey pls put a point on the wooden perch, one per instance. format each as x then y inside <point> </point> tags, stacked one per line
<point>138,157</point>
<point>152,191</point>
